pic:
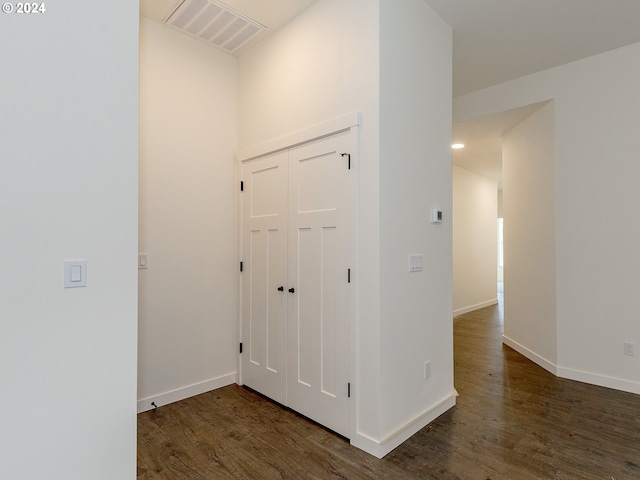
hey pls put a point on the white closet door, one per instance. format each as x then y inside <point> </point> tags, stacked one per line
<point>321,205</point>
<point>264,277</point>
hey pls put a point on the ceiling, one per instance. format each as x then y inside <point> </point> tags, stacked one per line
<point>483,140</point>
<point>498,40</point>
<point>494,41</point>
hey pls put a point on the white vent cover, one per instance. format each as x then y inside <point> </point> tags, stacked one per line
<point>215,23</point>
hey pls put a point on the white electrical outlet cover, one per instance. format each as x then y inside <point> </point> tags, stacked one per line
<point>415,263</point>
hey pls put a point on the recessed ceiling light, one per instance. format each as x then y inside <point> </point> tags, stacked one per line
<point>457,146</point>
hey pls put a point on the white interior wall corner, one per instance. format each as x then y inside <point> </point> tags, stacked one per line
<point>188,139</point>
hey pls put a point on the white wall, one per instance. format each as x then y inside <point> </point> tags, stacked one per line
<point>415,176</point>
<point>530,238</point>
<point>323,65</point>
<point>68,190</point>
<point>188,125</point>
<point>597,110</point>
<point>475,241</point>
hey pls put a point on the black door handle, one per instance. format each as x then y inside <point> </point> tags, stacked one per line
<point>281,289</point>
<point>292,290</point>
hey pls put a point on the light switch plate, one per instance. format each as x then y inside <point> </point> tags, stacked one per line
<point>143,261</point>
<point>75,273</point>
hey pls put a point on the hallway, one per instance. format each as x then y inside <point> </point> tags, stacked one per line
<point>513,420</point>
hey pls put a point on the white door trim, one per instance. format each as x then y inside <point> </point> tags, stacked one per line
<point>303,136</point>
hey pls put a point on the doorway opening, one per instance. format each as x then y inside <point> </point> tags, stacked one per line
<point>523,157</point>
<point>478,224</point>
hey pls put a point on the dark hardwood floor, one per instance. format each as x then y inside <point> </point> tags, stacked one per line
<point>513,420</point>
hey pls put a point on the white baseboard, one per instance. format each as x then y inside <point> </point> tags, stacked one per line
<point>478,306</point>
<point>599,379</point>
<point>178,394</point>
<point>575,374</point>
<point>390,442</point>
<point>531,355</point>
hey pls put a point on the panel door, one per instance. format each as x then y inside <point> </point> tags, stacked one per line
<point>264,277</point>
<point>321,204</point>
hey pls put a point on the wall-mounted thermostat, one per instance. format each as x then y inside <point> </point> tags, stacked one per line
<point>436,215</point>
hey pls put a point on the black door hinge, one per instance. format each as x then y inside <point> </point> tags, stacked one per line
<point>241,186</point>
<point>349,275</point>
<point>241,266</point>
<point>240,347</point>
<point>348,390</point>
<point>348,155</point>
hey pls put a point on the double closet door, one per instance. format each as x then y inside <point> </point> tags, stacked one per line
<point>298,224</point>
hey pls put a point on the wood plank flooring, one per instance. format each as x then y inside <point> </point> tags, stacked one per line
<point>513,421</point>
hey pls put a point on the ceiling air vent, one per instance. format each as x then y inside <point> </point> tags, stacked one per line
<point>215,23</point>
